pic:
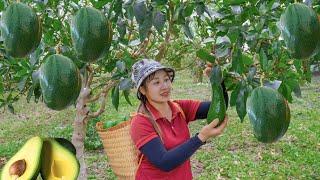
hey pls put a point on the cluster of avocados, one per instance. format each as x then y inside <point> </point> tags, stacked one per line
<point>53,158</point>
<point>59,77</point>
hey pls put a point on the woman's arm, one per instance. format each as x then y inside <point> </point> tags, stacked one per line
<point>203,109</point>
<point>166,160</point>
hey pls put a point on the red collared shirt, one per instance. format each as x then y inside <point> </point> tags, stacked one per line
<point>173,134</point>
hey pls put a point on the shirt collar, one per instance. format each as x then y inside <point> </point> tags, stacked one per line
<point>157,115</point>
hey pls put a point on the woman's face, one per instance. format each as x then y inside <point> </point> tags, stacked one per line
<point>158,89</point>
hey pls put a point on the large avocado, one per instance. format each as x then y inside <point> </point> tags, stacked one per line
<point>91,34</point>
<point>300,29</point>
<point>58,162</point>
<point>21,29</point>
<point>60,82</point>
<point>25,164</point>
<point>269,114</point>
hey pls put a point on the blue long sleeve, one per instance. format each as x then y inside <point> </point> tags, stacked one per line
<point>166,160</point>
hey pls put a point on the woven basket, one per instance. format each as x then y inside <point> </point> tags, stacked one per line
<point>119,148</point>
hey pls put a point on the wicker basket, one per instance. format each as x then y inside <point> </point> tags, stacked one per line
<point>119,148</point>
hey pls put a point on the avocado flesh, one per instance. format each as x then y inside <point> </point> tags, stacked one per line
<point>31,154</point>
<point>58,162</point>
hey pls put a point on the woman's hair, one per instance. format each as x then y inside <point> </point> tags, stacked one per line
<point>142,108</point>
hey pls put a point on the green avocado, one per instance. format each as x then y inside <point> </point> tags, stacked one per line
<point>60,82</point>
<point>25,163</point>
<point>269,114</point>
<point>21,30</point>
<point>58,162</point>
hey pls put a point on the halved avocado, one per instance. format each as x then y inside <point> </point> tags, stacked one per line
<point>67,144</point>
<point>58,162</point>
<point>25,164</point>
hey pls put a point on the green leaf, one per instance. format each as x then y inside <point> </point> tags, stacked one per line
<point>187,11</point>
<point>286,91</point>
<point>37,94</point>
<point>234,2</point>
<point>22,83</point>
<point>263,60</point>
<point>252,73</point>
<point>178,14</point>
<point>237,61</point>
<point>145,27</point>
<point>21,73</point>
<point>297,91</point>
<point>234,95</point>
<point>247,60</point>
<point>125,84</point>
<point>35,56</point>
<point>140,12</point>
<point>99,4</point>
<point>159,2</point>
<point>1,6</point>
<point>200,8</point>
<point>129,14</point>
<point>121,66</point>
<point>204,55</point>
<point>2,103</point>
<point>126,96</point>
<point>223,45</point>
<point>1,86</point>
<point>187,30</point>
<point>159,20</point>
<point>118,8</point>
<point>11,109</point>
<point>115,97</point>
<point>241,102</point>
<point>121,27</point>
<point>56,24</point>
<point>30,92</point>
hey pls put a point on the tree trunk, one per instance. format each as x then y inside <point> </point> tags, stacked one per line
<point>79,131</point>
<point>78,137</point>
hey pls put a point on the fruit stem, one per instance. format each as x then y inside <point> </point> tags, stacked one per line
<point>261,79</point>
<point>58,48</point>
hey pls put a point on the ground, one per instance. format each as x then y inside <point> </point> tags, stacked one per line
<point>234,155</point>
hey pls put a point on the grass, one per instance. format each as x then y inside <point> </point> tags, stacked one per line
<point>234,155</point>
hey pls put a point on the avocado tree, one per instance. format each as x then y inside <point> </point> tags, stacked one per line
<point>98,41</point>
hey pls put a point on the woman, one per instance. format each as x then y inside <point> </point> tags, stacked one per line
<point>160,129</point>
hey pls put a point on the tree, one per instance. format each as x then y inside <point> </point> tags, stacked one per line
<point>240,36</point>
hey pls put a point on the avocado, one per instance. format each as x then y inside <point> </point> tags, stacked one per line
<point>58,162</point>
<point>25,164</point>
<point>111,123</point>
<point>67,144</point>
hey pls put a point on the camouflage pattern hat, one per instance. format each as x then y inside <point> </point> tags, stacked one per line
<point>143,68</point>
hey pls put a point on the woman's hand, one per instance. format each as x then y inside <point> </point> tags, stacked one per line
<point>208,69</point>
<point>212,130</point>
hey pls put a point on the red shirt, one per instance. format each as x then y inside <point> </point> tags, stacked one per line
<point>173,134</point>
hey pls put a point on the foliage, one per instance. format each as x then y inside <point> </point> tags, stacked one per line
<point>240,36</point>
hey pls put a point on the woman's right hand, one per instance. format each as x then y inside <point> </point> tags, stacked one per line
<point>212,130</point>
<point>208,69</point>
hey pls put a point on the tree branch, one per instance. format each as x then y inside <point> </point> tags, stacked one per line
<point>103,97</point>
<point>142,48</point>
